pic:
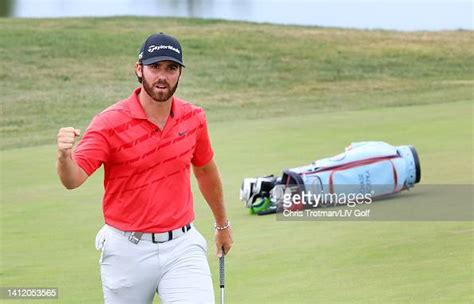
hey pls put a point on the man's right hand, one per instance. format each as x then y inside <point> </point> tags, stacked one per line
<point>66,139</point>
<point>71,175</point>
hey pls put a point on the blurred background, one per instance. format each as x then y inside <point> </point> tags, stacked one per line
<point>386,14</point>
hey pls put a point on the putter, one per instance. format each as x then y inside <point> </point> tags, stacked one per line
<point>221,275</point>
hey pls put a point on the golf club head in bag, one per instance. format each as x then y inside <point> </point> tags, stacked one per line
<point>255,193</point>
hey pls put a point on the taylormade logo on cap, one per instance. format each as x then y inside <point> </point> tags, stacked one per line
<point>153,48</point>
<point>160,47</point>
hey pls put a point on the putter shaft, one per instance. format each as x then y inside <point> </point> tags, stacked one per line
<point>221,275</point>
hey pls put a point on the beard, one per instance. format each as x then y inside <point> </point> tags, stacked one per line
<point>155,93</point>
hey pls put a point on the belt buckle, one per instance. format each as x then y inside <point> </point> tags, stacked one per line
<point>135,237</point>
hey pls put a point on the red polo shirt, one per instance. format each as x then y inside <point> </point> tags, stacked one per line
<point>147,171</point>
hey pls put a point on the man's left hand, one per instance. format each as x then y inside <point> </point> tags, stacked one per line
<point>223,238</point>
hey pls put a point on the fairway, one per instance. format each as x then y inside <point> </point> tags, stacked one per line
<point>48,232</point>
<point>271,105</point>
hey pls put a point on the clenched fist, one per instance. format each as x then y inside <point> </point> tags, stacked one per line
<point>66,139</point>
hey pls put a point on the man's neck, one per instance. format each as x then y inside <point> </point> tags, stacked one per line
<point>157,112</point>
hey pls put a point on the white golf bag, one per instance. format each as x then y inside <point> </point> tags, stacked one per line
<point>374,168</point>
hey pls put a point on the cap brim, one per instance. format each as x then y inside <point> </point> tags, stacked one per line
<point>161,58</point>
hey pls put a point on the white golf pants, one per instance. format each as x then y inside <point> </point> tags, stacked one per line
<point>177,270</point>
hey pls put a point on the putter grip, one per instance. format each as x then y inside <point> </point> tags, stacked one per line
<point>221,271</point>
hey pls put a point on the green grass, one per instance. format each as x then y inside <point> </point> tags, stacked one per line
<point>48,232</point>
<point>61,72</point>
<point>276,97</point>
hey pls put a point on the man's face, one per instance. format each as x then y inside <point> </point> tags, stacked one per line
<point>160,80</point>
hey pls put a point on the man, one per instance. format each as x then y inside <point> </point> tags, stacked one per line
<point>147,144</point>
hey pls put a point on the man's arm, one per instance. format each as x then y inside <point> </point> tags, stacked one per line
<point>71,175</point>
<point>210,185</point>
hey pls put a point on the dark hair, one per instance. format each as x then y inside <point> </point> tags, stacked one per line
<point>140,79</point>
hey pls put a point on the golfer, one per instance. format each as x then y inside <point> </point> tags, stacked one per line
<point>148,144</point>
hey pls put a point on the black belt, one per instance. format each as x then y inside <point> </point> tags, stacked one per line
<point>159,237</point>
<point>155,237</point>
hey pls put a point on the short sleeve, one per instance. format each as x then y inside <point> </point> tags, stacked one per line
<point>93,149</point>
<point>203,152</point>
